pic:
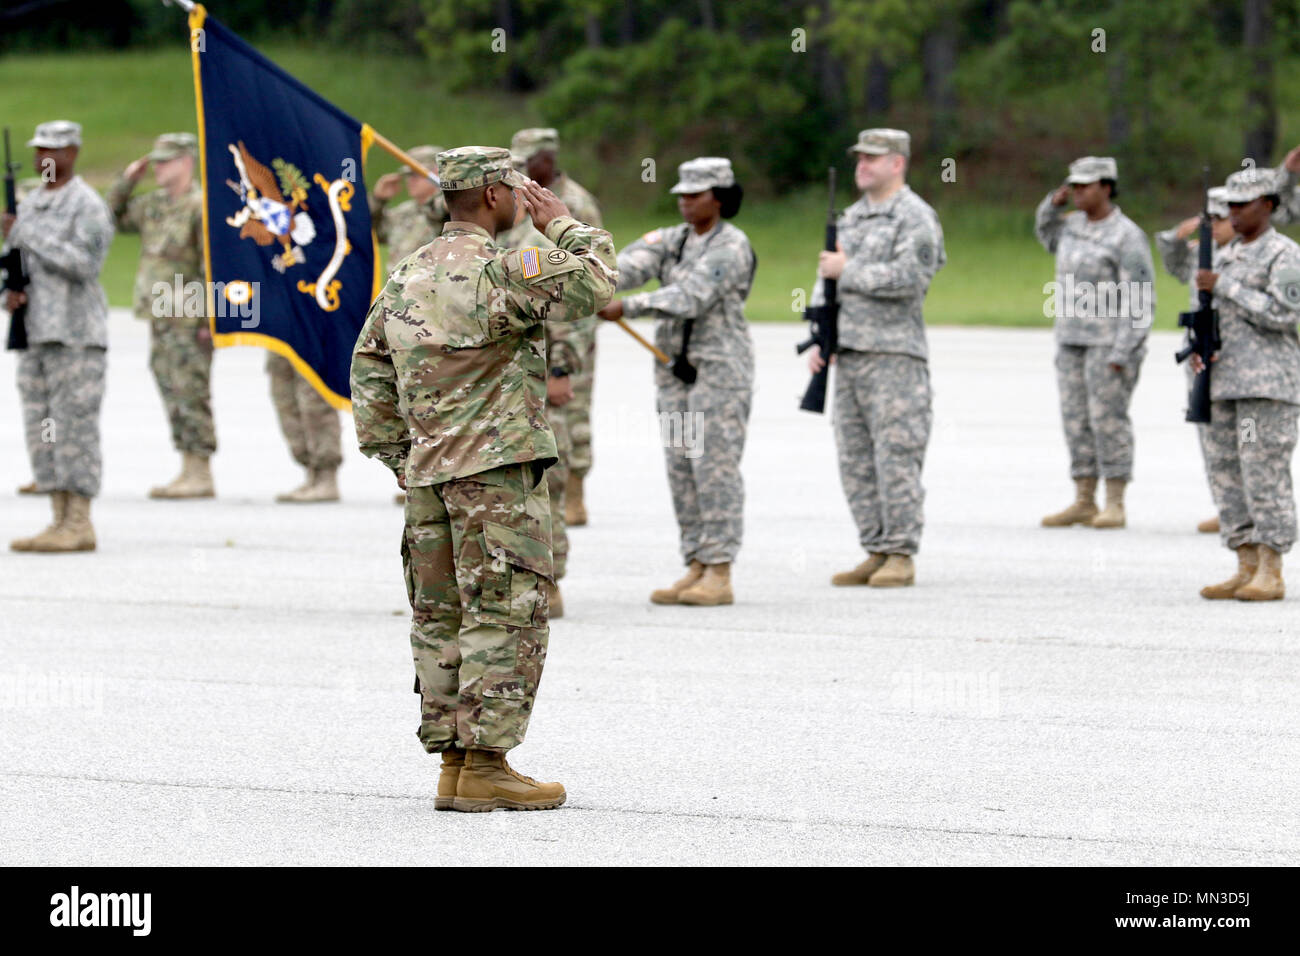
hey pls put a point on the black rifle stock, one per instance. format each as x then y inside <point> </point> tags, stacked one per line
<point>1202,325</point>
<point>15,278</point>
<point>823,321</point>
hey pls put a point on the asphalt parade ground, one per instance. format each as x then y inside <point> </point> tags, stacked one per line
<point>229,681</point>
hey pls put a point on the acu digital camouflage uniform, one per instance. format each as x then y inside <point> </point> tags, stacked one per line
<point>1110,254</point>
<point>704,279</point>
<point>882,413</point>
<point>449,391</point>
<point>1288,193</point>
<point>171,245</point>
<point>1255,384</point>
<point>64,235</point>
<point>583,207</point>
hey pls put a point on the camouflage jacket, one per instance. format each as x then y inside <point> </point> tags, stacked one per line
<point>562,343</point>
<point>706,278</point>
<point>171,239</point>
<point>1258,298</point>
<point>1112,256</point>
<point>1180,259</point>
<point>64,235</point>
<point>894,249</point>
<point>449,371</point>
<point>582,204</point>
<point>408,225</point>
<point>1289,212</point>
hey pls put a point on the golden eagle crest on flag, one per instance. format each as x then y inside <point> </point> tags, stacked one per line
<point>274,209</point>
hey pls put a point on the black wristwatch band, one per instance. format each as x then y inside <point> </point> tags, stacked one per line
<point>559,371</point>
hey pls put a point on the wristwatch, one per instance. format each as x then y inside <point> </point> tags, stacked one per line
<point>559,371</point>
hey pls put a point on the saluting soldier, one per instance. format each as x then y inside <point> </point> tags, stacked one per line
<point>449,391</point>
<point>1254,389</point>
<point>1104,312</point>
<point>705,267</point>
<point>169,220</point>
<point>64,230</point>
<point>416,221</point>
<point>538,150</point>
<point>1180,260</point>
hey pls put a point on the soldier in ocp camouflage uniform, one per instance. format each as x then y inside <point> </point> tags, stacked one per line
<point>311,427</point>
<point>64,230</point>
<point>1104,306</point>
<point>170,222</point>
<point>415,222</point>
<point>705,267</point>
<point>1180,260</point>
<point>891,246</point>
<point>1254,390</point>
<point>449,390</point>
<point>537,149</point>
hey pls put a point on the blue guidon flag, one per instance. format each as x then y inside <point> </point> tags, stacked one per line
<point>291,259</point>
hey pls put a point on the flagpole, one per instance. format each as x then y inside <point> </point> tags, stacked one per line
<point>387,145</point>
<point>640,338</point>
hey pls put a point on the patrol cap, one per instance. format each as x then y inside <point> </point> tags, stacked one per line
<point>527,143</point>
<point>704,172</point>
<point>878,142</point>
<point>171,145</point>
<point>426,156</point>
<point>468,167</point>
<point>1092,169</point>
<point>1217,202</point>
<point>1249,184</point>
<point>56,134</point>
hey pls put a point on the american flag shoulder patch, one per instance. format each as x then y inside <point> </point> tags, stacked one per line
<point>530,262</point>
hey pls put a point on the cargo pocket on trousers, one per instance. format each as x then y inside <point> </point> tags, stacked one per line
<point>503,719</point>
<point>512,577</point>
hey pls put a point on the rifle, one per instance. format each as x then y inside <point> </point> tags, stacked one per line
<point>1203,324</point>
<point>15,277</point>
<point>823,321</point>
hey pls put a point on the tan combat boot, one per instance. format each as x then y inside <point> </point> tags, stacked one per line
<point>59,503</point>
<point>194,481</point>
<point>31,489</point>
<point>554,600</point>
<point>301,489</point>
<point>1247,560</point>
<point>898,571</point>
<point>712,589</point>
<point>575,511</point>
<point>1209,526</point>
<point>453,761</point>
<point>487,782</point>
<point>1267,584</point>
<point>1081,511</point>
<point>1112,516</point>
<point>670,595</point>
<point>323,485</point>
<point>861,574</point>
<point>400,499</point>
<point>74,533</point>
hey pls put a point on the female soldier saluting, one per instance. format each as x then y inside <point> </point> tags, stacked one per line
<point>706,268</point>
<point>1254,390</point>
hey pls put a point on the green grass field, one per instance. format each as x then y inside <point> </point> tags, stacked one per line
<point>995,271</point>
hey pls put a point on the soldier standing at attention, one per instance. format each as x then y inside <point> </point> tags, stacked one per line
<point>410,224</point>
<point>705,267</point>
<point>891,246</point>
<point>64,230</point>
<point>537,148</point>
<point>170,222</point>
<point>1254,389</point>
<point>1100,334</point>
<point>449,391</point>
<point>1180,258</point>
<point>311,427</point>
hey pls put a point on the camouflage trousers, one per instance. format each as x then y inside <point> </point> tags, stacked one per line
<point>703,430</point>
<point>475,552</point>
<point>62,388</point>
<point>182,367</point>
<point>1249,444</point>
<point>882,423</point>
<point>556,478</point>
<point>1094,411</point>
<point>310,424</point>
<point>578,411</point>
